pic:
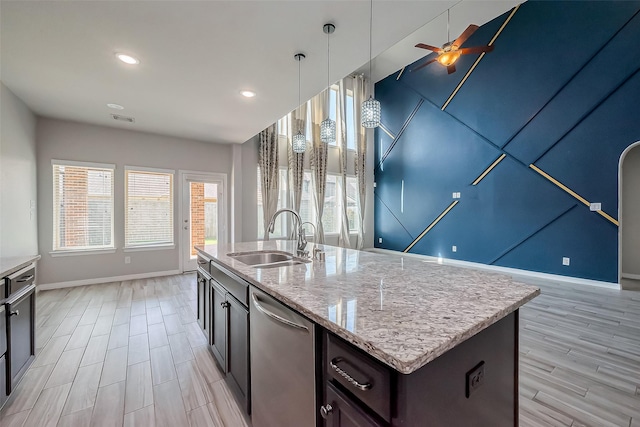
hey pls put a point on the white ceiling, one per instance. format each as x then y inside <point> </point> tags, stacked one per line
<point>196,56</point>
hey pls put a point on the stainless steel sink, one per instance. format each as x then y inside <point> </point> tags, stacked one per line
<point>267,259</point>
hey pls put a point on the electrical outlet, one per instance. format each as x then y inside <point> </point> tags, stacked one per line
<point>456,195</point>
<point>375,184</point>
<point>475,378</point>
<point>127,260</point>
<point>566,260</point>
<point>595,207</point>
<point>453,195</point>
<point>454,248</point>
<point>379,239</point>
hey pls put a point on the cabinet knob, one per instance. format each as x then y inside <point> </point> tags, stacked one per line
<point>224,304</point>
<point>326,410</point>
<point>14,313</point>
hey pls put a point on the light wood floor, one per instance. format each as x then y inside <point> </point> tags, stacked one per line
<point>580,357</point>
<point>126,353</point>
<point>131,353</point>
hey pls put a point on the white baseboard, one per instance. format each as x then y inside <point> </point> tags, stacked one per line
<point>631,276</point>
<point>505,270</point>
<point>84,282</point>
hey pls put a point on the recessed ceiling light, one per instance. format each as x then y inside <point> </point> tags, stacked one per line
<point>248,93</point>
<point>115,106</point>
<point>127,59</point>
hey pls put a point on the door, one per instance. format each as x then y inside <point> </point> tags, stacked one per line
<point>340,411</point>
<point>218,333</point>
<point>202,217</point>
<point>238,349</point>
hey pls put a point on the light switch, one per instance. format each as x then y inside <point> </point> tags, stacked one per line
<point>379,239</point>
<point>566,260</point>
<point>454,249</point>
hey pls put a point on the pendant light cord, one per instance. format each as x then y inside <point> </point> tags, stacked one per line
<point>370,48</point>
<point>328,58</point>
<point>299,85</point>
<point>448,23</point>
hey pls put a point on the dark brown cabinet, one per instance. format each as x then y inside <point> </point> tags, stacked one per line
<point>203,302</point>
<point>341,411</point>
<point>219,324</point>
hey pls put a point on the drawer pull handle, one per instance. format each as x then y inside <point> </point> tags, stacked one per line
<point>326,410</point>
<point>334,365</point>
<point>14,313</point>
<point>25,279</point>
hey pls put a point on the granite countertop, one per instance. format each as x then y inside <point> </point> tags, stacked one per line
<point>401,310</point>
<point>11,264</point>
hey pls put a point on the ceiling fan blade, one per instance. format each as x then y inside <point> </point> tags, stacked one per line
<point>426,46</point>
<point>465,35</point>
<point>451,69</point>
<point>477,49</point>
<point>419,67</point>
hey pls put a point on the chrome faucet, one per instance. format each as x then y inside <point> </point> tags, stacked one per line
<point>302,241</point>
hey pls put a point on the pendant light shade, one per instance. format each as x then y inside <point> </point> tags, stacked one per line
<point>328,126</point>
<point>328,131</point>
<point>370,114</point>
<point>299,140</point>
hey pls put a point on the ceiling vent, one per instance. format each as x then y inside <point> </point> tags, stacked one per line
<point>123,118</point>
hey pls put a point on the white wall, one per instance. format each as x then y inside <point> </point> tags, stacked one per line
<point>18,221</point>
<point>630,220</point>
<point>63,140</point>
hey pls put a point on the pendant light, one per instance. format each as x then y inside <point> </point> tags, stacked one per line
<point>328,126</point>
<point>371,107</point>
<point>299,140</point>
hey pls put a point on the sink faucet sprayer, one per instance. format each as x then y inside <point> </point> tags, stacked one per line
<point>302,241</point>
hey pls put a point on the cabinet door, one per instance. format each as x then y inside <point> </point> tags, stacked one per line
<point>202,286</point>
<point>340,411</point>
<point>238,349</point>
<point>218,333</point>
<point>20,337</point>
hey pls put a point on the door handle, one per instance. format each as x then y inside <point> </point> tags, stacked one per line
<point>277,318</point>
<point>14,313</point>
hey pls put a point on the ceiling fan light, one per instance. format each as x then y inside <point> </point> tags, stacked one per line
<point>448,58</point>
<point>299,143</point>
<point>370,113</point>
<point>328,131</point>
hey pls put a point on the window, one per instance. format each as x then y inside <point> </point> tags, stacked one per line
<point>281,225</point>
<point>82,206</point>
<point>332,213</point>
<point>148,207</point>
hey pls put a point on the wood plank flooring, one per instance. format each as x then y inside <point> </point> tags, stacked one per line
<point>131,353</point>
<point>127,353</point>
<point>580,357</point>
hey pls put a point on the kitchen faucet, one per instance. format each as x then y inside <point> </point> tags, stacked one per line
<point>302,241</point>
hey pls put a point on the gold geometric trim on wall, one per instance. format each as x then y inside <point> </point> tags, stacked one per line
<point>433,224</point>
<point>387,131</point>
<point>572,193</point>
<point>466,76</point>
<point>489,169</point>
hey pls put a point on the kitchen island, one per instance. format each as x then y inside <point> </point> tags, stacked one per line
<point>442,340</point>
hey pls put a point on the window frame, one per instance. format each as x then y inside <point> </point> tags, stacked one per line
<point>156,245</point>
<point>56,250</point>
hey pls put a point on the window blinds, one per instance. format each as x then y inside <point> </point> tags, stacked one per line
<point>82,206</point>
<point>148,208</point>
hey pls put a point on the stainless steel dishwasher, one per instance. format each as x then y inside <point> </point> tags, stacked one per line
<point>282,364</point>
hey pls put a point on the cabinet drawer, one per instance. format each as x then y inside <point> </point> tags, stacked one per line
<point>232,284</point>
<point>204,263</point>
<point>20,279</point>
<point>361,375</point>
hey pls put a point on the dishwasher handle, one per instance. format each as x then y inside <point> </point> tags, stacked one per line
<point>277,318</point>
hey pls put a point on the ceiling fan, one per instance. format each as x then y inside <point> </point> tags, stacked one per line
<point>451,51</point>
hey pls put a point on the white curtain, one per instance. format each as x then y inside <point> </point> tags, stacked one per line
<point>359,95</point>
<point>319,152</point>
<point>341,142</point>
<point>268,162</point>
<point>297,121</point>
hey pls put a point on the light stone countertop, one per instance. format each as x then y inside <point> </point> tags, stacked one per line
<point>401,310</point>
<point>8,265</point>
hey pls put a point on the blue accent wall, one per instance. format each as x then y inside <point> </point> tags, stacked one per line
<point>560,91</point>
